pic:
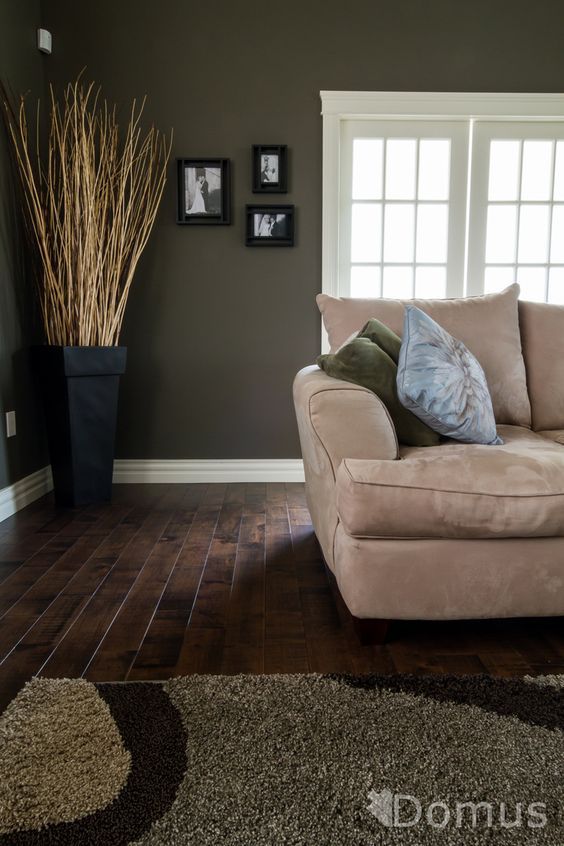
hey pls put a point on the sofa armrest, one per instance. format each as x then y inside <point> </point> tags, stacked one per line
<point>347,420</point>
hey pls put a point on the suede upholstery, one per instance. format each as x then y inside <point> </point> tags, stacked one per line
<point>543,349</point>
<point>451,531</point>
<point>336,419</point>
<point>448,579</point>
<point>458,491</point>
<point>556,435</point>
<point>488,326</point>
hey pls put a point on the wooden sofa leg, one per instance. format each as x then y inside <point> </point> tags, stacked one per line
<point>372,632</point>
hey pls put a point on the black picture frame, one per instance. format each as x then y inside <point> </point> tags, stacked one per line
<point>263,232</point>
<point>278,155</point>
<point>214,192</point>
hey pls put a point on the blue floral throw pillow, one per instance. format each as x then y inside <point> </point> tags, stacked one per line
<point>442,383</point>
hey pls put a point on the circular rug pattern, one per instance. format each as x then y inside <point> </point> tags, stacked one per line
<point>303,760</point>
<point>150,729</point>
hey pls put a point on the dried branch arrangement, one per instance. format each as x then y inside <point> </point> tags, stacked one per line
<point>90,203</point>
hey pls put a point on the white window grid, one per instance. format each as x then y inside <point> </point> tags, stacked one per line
<point>478,262</point>
<point>473,112</point>
<point>456,133</point>
<point>384,202</point>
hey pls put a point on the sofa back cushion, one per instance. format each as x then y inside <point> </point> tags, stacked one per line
<point>488,325</point>
<point>542,334</point>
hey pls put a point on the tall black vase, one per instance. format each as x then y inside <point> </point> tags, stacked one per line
<point>80,388</point>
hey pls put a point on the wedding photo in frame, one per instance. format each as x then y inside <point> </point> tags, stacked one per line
<point>270,168</point>
<point>270,226</point>
<point>204,195</point>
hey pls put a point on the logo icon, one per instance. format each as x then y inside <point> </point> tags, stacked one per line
<point>402,810</point>
<point>382,806</point>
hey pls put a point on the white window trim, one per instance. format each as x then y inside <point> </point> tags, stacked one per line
<point>340,106</point>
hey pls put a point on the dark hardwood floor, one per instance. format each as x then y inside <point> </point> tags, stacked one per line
<point>175,579</point>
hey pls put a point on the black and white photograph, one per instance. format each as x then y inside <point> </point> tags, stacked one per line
<point>270,171</point>
<point>203,191</point>
<point>270,226</point>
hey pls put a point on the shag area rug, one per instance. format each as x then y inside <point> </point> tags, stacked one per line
<point>271,760</point>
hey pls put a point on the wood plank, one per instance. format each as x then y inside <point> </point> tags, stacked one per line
<point>235,493</point>
<point>118,649</point>
<point>410,657</point>
<point>295,495</point>
<point>19,549</point>
<point>48,559</point>
<point>81,640</point>
<point>244,636</point>
<point>42,638</point>
<point>204,638</point>
<point>285,648</point>
<point>209,610</point>
<point>504,662</point>
<point>29,518</point>
<point>326,642</point>
<point>364,659</point>
<point>159,653</point>
<point>8,568</point>
<point>33,604</point>
<point>202,652</point>
<point>28,575</point>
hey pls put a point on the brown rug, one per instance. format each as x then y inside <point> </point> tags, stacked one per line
<point>272,760</point>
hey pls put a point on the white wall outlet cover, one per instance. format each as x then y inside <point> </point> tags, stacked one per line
<point>44,41</point>
<point>10,424</point>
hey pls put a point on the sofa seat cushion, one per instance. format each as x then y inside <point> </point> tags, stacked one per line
<point>458,490</point>
<point>556,435</point>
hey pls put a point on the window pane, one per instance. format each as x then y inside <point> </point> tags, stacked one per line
<point>501,234</point>
<point>432,232</point>
<point>400,169</point>
<point>536,183</point>
<point>533,283</point>
<point>367,168</point>
<point>365,282</point>
<point>398,282</point>
<point>556,285</point>
<point>366,232</point>
<point>430,282</point>
<point>559,172</point>
<point>398,233</point>
<point>533,233</point>
<point>557,237</point>
<point>504,170</point>
<point>434,169</point>
<point>498,278</point>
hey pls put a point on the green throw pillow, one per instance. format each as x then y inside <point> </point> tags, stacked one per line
<point>364,363</point>
<point>379,334</point>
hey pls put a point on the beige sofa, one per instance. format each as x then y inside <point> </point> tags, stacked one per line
<point>453,531</point>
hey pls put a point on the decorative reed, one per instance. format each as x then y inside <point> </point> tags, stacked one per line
<point>90,203</point>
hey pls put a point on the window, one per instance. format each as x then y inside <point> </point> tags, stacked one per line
<point>434,195</point>
<point>403,198</point>
<point>517,209</point>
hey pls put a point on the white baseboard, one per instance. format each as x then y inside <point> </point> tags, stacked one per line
<point>25,491</point>
<point>209,470</point>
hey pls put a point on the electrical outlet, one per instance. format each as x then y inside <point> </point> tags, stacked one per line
<point>10,424</point>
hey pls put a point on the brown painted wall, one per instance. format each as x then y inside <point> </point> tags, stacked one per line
<point>21,68</point>
<point>216,330</point>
